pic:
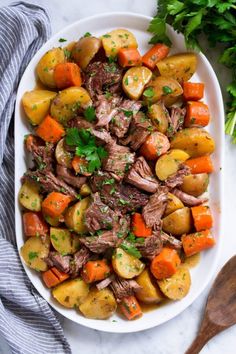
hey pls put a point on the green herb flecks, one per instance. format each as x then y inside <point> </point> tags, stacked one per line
<point>89,114</point>
<point>32,255</point>
<point>61,40</point>
<point>131,249</point>
<point>167,90</point>
<point>149,92</point>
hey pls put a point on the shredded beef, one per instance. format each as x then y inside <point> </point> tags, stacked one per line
<point>106,109</point>
<point>171,241</point>
<point>178,178</point>
<point>104,283</point>
<point>122,197</point>
<point>141,176</point>
<point>118,160</point>
<point>50,183</point>
<point>122,287</point>
<point>43,154</point>
<point>67,176</point>
<point>98,215</point>
<point>151,247</point>
<point>100,77</point>
<point>155,208</point>
<point>80,123</point>
<point>120,123</point>
<point>188,199</point>
<point>99,244</point>
<point>140,128</point>
<point>176,120</point>
<point>55,259</point>
<point>79,259</point>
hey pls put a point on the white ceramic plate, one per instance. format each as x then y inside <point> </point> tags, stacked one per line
<point>201,274</point>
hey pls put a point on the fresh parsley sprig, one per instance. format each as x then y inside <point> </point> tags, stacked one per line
<point>216,19</point>
<point>86,147</point>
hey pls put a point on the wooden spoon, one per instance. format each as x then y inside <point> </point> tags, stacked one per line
<point>220,311</point>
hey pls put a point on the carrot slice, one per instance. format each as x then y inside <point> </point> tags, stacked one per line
<point>34,224</point>
<point>158,52</point>
<point>53,277</point>
<point>50,130</point>
<point>165,264</point>
<point>130,307</point>
<point>80,165</point>
<point>66,75</point>
<point>95,270</point>
<point>199,241</point>
<point>193,91</point>
<point>55,204</point>
<point>202,217</point>
<point>129,57</point>
<point>155,145</point>
<point>139,227</point>
<point>197,114</point>
<point>202,164</point>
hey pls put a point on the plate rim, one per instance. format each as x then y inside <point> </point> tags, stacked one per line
<point>209,277</point>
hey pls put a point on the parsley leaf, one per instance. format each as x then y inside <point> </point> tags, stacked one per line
<point>149,92</point>
<point>89,114</point>
<point>61,40</point>
<point>131,249</point>
<point>87,34</point>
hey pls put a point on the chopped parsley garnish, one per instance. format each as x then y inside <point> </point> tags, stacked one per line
<point>109,181</point>
<point>149,92</point>
<point>167,90</point>
<point>107,36</point>
<point>126,81</point>
<point>87,34</point>
<point>131,249</point>
<point>67,53</point>
<point>61,40</point>
<point>108,95</point>
<point>127,113</point>
<point>123,201</point>
<point>89,114</point>
<point>32,255</point>
<point>86,147</point>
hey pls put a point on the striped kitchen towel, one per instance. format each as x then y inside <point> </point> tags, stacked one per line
<point>26,320</point>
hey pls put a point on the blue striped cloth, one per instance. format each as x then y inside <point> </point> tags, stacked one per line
<point>26,320</point>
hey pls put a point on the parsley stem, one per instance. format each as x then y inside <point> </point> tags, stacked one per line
<point>230,124</point>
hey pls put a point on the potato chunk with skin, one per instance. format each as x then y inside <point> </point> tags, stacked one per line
<point>162,88</point>
<point>46,65</point>
<point>173,204</point>
<point>63,156</point>
<point>178,223</point>
<point>149,292</point>
<point>134,81</point>
<point>34,251</point>
<point>159,117</point>
<point>177,286</point>
<point>66,104</point>
<point>99,304</point>
<point>168,164</point>
<point>126,265</point>
<point>84,50</point>
<point>179,66</point>
<point>74,216</point>
<point>71,293</point>
<point>63,241</point>
<point>195,185</point>
<point>195,141</point>
<point>29,196</point>
<point>36,104</point>
<point>117,39</point>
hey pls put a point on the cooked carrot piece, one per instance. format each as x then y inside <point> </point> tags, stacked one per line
<point>165,264</point>
<point>158,52</point>
<point>202,217</point>
<point>197,114</point>
<point>155,145</point>
<point>34,224</point>
<point>130,307</point>
<point>80,165</point>
<point>193,91</point>
<point>202,164</point>
<point>55,204</point>
<point>197,242</point>
<point>129,57</point>
<point>66,75</point>
<point>95,270</point>
<point>139,227</point>
<point>53,277</point>
<point>50,130</point>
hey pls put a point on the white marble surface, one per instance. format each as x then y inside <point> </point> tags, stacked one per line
<point>174,336</point>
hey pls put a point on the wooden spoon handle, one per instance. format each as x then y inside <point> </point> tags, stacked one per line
<point>198,344</point>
